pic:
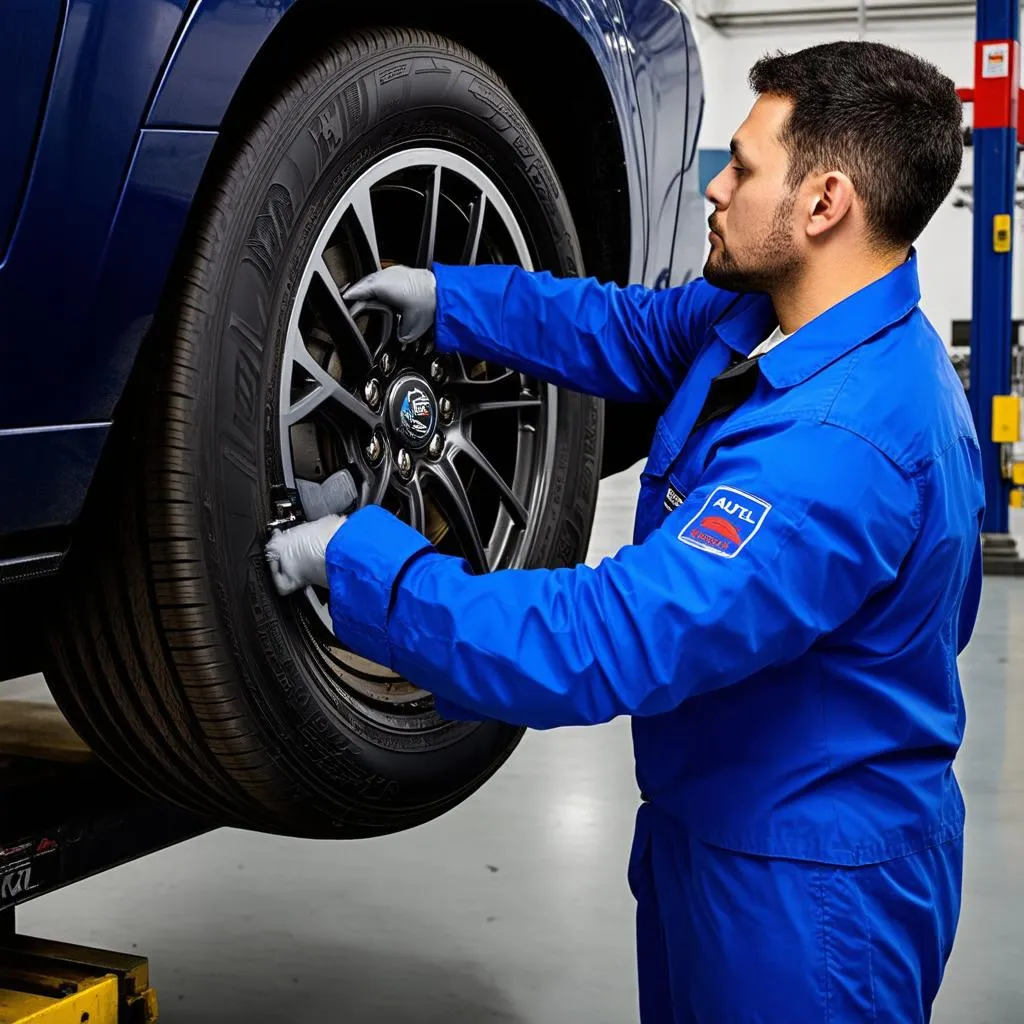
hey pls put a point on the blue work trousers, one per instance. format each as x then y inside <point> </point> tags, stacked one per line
<point>727,938</point>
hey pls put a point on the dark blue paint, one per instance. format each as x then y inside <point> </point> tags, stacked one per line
<point>656,43</point>
<point>31,28</point>
<point>111,135</point>
<point>995,172</point>
<point>109,57</point>
<point>642,47</point>
<point>164,176</point>
<point>48,472</point>
<point>216,49</point>
<point>688,246</point>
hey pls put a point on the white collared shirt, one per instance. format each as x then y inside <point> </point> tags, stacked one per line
<point>775,338</point>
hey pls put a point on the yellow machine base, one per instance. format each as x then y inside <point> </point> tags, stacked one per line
<point>55,983</point>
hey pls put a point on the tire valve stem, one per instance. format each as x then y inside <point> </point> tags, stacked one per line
<point>446,409</point>
<point>372,393</point>
<point>436,446</point>
<point>287,510</point>
<point>404,463</point>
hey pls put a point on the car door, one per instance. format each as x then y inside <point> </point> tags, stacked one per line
<point>28,42</point>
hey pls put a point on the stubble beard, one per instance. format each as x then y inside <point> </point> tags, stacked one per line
<point>771,262</point>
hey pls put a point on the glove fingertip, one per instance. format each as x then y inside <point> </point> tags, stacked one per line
<point>285,584</point>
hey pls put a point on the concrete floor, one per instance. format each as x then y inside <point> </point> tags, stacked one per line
<point>513,907</point>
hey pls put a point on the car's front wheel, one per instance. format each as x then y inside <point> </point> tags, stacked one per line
<point>174,657</point>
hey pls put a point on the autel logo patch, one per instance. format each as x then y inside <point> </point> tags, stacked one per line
<point>725,522</point>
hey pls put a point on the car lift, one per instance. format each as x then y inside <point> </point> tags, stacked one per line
<point>64,817</point>
<point>997,412</point>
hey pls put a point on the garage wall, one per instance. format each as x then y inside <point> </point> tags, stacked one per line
<point>945,248</point>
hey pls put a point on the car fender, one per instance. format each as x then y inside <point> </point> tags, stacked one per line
<point>107,64</point>
<point>204,72</point>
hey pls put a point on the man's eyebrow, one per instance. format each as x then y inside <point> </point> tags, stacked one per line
<point>736,149</point>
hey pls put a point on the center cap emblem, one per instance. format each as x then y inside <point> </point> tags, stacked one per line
<point>413,411</point>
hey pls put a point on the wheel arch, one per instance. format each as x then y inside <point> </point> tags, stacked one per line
<point>589,141</point>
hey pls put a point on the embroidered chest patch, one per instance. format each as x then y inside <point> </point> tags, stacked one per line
<point>726,522</point>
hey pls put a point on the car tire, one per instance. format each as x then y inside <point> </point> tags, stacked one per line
<point>172,654</point>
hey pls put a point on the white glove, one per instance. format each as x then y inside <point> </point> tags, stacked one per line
<point>298,556</point>
<point>411,292</point>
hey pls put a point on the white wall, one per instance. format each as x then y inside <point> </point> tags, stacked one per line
<point>944,249</point>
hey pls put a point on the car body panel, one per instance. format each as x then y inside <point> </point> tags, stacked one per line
<point>654,38</point>
<point>690,243</point>
<point>109,57</point>
<point>32,28</point>
<point>31,458</point>
<point>137,93</point>
<point>640,46</point>
<point>50,468</point>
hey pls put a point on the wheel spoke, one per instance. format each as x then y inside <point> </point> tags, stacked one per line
<point>327,390</point>
<point>353,334</point>
<point>493,417</point>
<point>382,482</point>
<point>476,226</point>
<point>428,232</point>
<point>362,207</point>
<point>474,387</point>
<point>454,501</point>
<point>388,316</point>
<point>516,509</point>
<point>476,408</point>
<point>417,506</point>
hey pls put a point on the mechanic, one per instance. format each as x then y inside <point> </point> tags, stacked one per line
<point>784,628</point>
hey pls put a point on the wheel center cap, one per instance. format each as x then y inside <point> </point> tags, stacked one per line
<point>412,410</point>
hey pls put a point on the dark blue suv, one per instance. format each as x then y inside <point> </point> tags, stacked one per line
<point>186,189</point>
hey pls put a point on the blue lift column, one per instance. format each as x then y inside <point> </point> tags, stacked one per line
<point>996,413</point>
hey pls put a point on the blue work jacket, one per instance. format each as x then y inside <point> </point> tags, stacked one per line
<point>784,628</point>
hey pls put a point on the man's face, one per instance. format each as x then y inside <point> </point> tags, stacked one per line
<point>754,238</point>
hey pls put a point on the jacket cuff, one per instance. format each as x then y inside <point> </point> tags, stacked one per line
<point>365,557</point>
<point>443,274</point>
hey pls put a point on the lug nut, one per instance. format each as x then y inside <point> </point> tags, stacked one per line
<point>437,370</point>
<point>372,393</point>
<point>375,449</point>
<point>387,363</point>
<point>446,409</point>
<point>436,446</point>
<point>404,461</point>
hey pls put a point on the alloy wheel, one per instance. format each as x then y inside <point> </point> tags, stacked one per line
<point>460,449</point>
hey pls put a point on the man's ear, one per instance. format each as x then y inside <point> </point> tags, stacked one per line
<point>831,198</point>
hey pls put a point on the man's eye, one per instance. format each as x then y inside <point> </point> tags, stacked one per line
<point>738,169</point>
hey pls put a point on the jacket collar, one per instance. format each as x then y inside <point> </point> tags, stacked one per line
<point>829,336</point>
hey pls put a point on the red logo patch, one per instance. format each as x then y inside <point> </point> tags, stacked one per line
<point>716,524</point>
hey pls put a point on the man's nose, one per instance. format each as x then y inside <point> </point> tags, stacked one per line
<point>717,191</point>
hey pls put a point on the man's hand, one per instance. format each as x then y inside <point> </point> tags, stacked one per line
<point>411,292</point>
<point>298,556</point>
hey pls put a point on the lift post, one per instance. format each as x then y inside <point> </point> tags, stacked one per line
<point>996,99</point>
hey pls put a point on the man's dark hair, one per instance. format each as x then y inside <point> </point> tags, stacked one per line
<point>887,119</point>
